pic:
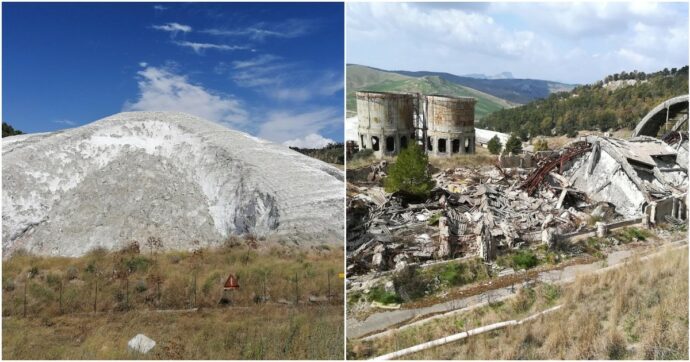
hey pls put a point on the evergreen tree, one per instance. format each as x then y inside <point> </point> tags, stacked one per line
<point>410,173</point>
<point>494,145</point>
<point>513,145</point>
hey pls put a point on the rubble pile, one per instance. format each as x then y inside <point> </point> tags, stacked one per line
<point>476,212</point>
<point>471,212</point>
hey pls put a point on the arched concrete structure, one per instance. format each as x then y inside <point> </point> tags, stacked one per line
<point>659,115</point>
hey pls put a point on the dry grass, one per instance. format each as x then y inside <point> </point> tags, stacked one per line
<point>127,302</point>
<point>639,311</point>
<point>264,332</point>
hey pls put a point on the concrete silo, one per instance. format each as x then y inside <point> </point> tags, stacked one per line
<point>386,122</point>
<point>450,125</point>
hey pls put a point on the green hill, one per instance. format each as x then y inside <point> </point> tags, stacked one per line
<point>365,78</point>
<point>608,104</point>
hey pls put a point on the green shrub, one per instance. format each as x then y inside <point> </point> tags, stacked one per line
<point>410,284</point>
<point>513,145</point>
<point>540,145</point>
<point>362,154</point>
<point>551,293</point>
<point>524,259</point>
<point>138,263</point>
<point>494,145</point>
<point>410,173</point>
<point>380,295</point>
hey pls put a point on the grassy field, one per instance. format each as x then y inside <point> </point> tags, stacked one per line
<point>638,311</point>
<point>128,290</point>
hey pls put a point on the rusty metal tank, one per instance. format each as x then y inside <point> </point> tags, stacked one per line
<point>450,114</point>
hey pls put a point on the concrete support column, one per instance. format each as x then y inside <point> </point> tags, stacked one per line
<point>601,229</point>
<point>645,221</point>
<point>443,250</point>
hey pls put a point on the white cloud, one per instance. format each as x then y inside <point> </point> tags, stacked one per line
<point>173,28</point>
<point>282,126</point>
<point>284,81</point>
<point>65,122</point>
<point>143,64</point>
<point>160,7</point>
<point>312,140</point>
<point>249,63</point>
<point>163,90</point>
<point>290,28</point>
<point>200,47</point>
<point>535,40</point>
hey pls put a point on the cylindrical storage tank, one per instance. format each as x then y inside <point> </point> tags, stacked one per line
<point>386,121</point>
<point>450,124</point>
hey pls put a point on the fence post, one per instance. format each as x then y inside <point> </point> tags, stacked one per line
<point>95,296</point>
<point>296,291</point>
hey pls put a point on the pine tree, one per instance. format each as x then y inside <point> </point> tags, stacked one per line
<point>513,145</point>
<point>410,173</point>
<point>494,145</point>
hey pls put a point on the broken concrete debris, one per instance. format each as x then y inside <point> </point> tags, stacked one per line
<point>589,186</point>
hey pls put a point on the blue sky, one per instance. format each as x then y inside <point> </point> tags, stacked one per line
<point>572,42</point>
<point>273,70</point>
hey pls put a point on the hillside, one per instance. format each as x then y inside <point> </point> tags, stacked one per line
<point>365,78</point>
<point>166,175</point>
<point>609,104</point>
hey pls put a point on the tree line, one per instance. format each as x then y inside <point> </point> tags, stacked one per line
<point>592,106</point>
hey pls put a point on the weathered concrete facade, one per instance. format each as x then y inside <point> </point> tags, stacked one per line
<point>450,123</point>
<point>386,122</point>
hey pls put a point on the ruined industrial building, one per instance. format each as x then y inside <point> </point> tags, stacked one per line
<point>587,188</point>
<point>443,125</point>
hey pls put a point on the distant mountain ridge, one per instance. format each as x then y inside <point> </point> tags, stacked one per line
<point>511,89</point>
<point>372,79</point>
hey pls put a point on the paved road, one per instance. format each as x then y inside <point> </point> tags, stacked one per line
<point>385,319</point>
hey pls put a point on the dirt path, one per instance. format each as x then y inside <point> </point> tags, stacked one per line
<point>381,321</point>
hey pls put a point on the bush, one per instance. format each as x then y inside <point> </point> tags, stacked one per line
<point>513,145</point>
<point>494,145</point>
<point>410,173</point>
<point>138,263</point>
<point>410,284</point>
<point>540,145</point>
<point>72,272</point>
<point>524,259</point>
<point>380,295</point>
<point>362,154</point>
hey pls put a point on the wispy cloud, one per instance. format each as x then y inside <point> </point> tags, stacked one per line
<point>173,28</point>
<point>290,28</point>
<point>282,126</point>
<point>162,90</point>
<point>65,122</point>
<point>199,48</point>
<point>282,80</point>
<point>312,140</point>
<point>249,63</point>
<point>159,7</point>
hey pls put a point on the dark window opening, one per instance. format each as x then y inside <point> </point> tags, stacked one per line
<point>364,144</point>
<point>374,143</point>
<point>390,143</point>
<point>456,146</point>
<point>403,142</point>
<point>429,144</point>
<point>442,145</point>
